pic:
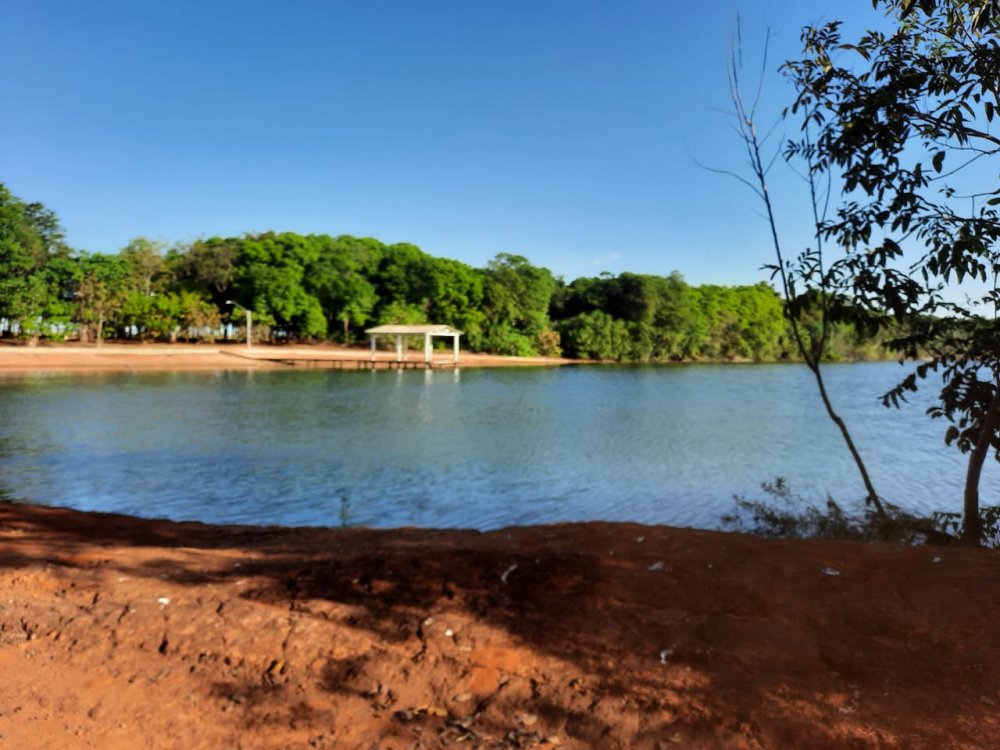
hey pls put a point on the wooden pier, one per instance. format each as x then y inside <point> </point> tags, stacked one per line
<point>320,363</point>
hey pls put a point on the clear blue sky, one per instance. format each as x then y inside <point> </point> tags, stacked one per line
<point>563,130</point>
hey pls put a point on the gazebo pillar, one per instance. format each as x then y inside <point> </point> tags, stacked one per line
<point>401,332</point>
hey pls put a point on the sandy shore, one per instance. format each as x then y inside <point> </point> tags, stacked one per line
<point>118,633</point>
<point>127,357</point>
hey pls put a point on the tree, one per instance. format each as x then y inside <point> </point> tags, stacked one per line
<point>339,279</point>
<point>99,293</point>
<point>271,281</point>
<point>902,120</point>
<point>810,271</point>
<point>597,335</point>
<point>516,299</point>
<point>30,239</point>
<point>206,266</point>
<point>146,265</point>
<point>197,317</point>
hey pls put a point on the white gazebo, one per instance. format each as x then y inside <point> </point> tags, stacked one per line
<point>427,331</point>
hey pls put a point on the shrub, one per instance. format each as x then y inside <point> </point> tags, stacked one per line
<point>785,515</point>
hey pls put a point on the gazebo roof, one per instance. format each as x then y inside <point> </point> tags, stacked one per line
<point>434,330</point>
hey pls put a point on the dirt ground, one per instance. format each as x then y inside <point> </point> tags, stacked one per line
<point>124,633</point>
<point>20,359</point>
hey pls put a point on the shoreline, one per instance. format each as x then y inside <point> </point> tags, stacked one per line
<point>21,359</point>
<point>118,632</point>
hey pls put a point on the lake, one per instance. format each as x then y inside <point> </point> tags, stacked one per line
<point>480,448</point>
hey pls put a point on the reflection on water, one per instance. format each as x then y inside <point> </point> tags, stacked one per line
<point>479,448</point>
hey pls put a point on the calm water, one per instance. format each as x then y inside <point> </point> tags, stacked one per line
<point>479,448</point>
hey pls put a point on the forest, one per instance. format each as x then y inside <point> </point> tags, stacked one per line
<point>311,288</point>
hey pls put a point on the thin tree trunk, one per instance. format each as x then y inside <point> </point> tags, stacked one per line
<point>872,498</point>
<point>972,524</point>
<point>810,355</point>
<point>813,354</point>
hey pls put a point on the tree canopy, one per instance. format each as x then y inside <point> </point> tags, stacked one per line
<point>901,122</point>
<point>322,287</point>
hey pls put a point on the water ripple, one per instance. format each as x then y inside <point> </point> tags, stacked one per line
<point>489,449</point>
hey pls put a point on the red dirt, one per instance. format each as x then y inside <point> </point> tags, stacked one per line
<point>123,633</point>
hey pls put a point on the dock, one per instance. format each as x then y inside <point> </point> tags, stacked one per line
<point>327,363</point>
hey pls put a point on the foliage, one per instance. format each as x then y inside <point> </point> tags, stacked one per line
<point>516,297</point>
<point>549,344</point>
<point>662,319</point>
<point>788,516</point>
<point>902,121</point>
<point>271,282</point>
<point>145,266</point>
<point>98,292</point>
<point>811,287</point>
<point>206,266</point>
<point>596,335</point>
<point>30,238</point>
<point>339,280</point>
<point>319,286</point>
<point>785,515</point>
<point>951,524</point>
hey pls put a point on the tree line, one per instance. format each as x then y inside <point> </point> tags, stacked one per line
<point>320,287</point>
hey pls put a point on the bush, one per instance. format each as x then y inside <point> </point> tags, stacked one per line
<point>548,344</point>
<point>788,516</point>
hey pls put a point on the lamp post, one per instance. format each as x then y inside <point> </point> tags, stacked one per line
<point>249,324</point>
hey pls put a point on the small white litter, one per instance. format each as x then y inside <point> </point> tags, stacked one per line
<point>507,572</point>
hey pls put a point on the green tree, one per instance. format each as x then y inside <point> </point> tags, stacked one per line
<point>902,120</point>
<point>271,281</point>
<point>30,239</point>
<point>597,335</point>
<point>208,267</point>
<point>516,300</point>
<point>99,293</point>
<point>455,295</point>
<point>146,265</point>
<point>340,280</point>
<point>197,317</point>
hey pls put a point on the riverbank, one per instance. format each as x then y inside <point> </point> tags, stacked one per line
<point>19,359</point>
<point>120,633</point>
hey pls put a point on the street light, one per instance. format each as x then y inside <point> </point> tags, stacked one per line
<point>249,325</point>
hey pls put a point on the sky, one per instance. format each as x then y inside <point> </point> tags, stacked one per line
<point>575,133</point>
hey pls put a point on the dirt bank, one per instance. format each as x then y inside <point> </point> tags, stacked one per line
<point>121,633</point>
